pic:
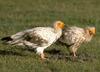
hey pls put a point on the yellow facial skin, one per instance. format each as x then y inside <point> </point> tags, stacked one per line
<point>58,25</point>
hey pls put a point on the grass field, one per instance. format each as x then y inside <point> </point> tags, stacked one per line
<point>17,15</point>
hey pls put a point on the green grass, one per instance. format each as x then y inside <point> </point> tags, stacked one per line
<point>17,15</point>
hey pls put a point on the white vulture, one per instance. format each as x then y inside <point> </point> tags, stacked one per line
<point>39,37</point>
<point>74,36</point>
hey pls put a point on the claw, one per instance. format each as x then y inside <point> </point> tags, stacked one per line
<point>74,54</point>
<point>43,56</point>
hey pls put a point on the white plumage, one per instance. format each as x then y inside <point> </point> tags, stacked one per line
<point>74,36</point>
<point>39,37</point>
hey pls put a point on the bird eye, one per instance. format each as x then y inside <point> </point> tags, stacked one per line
<point>90,32</point>
<point>59,23</point>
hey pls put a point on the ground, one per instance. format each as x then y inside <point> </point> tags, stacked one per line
<point>18,15</point>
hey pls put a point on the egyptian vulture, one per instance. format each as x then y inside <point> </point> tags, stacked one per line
<point>74,36</point>
<point>39,37</point>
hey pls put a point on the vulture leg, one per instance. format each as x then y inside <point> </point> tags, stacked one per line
<point>75,47</point>
<point>40,51</point>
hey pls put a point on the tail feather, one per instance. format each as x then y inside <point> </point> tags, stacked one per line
<point>8,38</point>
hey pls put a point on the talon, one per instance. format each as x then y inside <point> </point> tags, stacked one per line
<point>75,56</point>
<point>43,56</point>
